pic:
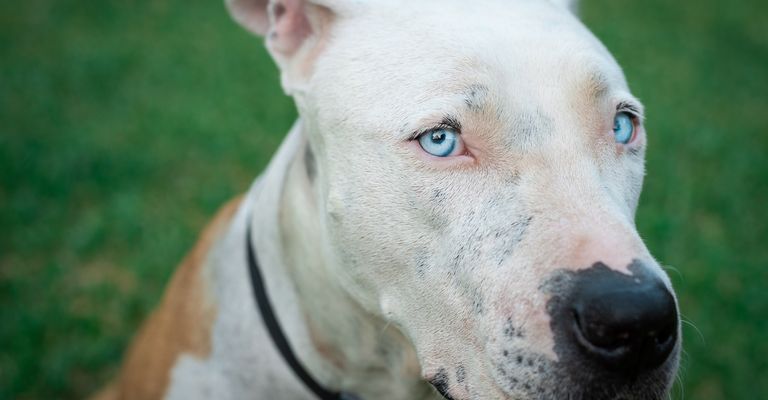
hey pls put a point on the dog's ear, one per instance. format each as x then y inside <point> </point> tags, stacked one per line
<point>294,31</point>
<point>571,5</point>
<point>251,14</point>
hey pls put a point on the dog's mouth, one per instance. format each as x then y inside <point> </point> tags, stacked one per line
<point>554,382</point>
<point>600,352</point>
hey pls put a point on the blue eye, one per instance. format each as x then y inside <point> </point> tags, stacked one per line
<point>440,142</point>
<point>623,128</point>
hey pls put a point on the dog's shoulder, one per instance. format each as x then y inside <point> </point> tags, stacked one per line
<point>181,324</point>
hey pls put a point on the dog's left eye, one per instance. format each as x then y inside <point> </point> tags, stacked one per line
<point>623,128</point>
<point>442,142</point>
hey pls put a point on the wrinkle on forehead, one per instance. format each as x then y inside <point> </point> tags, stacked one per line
<point>529,127</point>
<point>595,85</point>
<point>595,77</point>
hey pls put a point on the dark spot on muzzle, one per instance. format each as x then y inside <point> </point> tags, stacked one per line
<point>461,374</point>
<point>509,236</point>
<point>441,383</point>
<point>511,331</point>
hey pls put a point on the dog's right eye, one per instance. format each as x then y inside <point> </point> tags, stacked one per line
<point>441,142</point>
<point>623,128</point>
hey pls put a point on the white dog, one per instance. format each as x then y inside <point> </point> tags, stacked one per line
<point>451,216</point>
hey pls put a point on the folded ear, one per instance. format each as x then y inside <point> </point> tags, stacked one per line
<point>294,31</point>
<point>571,5</point>
<point>251,14</point>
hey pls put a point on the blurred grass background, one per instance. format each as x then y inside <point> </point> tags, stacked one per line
<point>125,123</point>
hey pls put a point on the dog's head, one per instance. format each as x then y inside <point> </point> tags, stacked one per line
<point>478,167</point>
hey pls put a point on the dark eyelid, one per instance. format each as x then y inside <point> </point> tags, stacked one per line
<point>451,122</point>
<point>448,122</point>
<point>630,109</point>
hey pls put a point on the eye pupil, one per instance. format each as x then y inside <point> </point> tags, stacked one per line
<point>440,142</point>
<point>623,128</point>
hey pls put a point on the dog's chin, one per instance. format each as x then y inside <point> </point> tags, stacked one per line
<point>558,388</point>
<point>581,382</point>
<point>523,375</point>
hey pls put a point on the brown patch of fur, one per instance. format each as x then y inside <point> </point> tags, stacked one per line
<point>108,392</point>
<point>325,349</point>
<point>181,324</point>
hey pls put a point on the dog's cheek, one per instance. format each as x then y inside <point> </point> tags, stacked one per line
<point>375,236</point>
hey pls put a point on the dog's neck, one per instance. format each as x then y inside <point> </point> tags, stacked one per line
<point>340,343</point>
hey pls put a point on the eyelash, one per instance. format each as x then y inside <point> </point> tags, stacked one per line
<point>446,123</point>
<point>629,109</point>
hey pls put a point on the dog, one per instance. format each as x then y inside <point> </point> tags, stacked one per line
<point>452,216</point>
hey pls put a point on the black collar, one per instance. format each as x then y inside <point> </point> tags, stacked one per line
<point>276,333</point>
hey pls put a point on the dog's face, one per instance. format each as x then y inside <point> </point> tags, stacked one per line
<point>478,169</point>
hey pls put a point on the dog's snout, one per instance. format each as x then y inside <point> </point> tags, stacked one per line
<point>625,323</point>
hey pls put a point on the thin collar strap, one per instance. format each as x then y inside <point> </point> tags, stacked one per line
<point>276,333</point>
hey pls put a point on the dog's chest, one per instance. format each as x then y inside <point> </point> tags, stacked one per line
<point>243,362</point>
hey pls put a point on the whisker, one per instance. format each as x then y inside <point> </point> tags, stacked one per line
<point>681,387</point>
<point>671,268</point>
<point>685,321</point>
<point>381,333</point>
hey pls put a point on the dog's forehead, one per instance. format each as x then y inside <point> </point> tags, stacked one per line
<point>432,55</point>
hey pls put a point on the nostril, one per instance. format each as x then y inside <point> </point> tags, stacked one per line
<point>594,332</point>
<point>594,339</point>
<point>623,322</point>
<point>665,339</point>
<point>624,346</point>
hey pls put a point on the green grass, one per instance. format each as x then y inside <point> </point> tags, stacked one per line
<point>125,124</point>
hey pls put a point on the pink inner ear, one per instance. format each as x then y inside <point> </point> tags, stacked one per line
<point>291,26</point>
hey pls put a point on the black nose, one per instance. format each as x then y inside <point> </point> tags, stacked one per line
<point>626,323</point>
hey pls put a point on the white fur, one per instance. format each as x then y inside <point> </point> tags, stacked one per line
<point>571,5</point>
<point>400,265</point>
